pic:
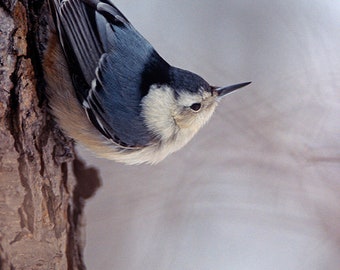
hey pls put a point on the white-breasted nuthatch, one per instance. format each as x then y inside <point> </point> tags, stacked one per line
<point>110,90</point>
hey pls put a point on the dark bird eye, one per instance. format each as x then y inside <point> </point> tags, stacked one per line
<point>195,107</point>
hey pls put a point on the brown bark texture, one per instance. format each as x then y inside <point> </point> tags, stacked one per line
<point>40,212</point>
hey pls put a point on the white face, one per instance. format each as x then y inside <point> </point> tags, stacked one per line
<point>194,110</point>
<point>177,119</point>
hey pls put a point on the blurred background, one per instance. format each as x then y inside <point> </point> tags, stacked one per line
<point>259,186</point>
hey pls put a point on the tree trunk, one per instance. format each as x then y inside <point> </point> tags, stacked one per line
<point>40,212</point>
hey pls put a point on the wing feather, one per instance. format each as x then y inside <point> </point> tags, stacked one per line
<point>108,59</point>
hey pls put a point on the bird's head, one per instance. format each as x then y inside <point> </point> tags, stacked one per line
<point>176,110</point>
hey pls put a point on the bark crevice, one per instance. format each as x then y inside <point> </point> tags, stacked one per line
<point>40,217</point>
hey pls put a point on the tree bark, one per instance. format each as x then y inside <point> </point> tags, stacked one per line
<point>40,213</point>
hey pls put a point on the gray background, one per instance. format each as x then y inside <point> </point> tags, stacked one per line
<point>259,186</point>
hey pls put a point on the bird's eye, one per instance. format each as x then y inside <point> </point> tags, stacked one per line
<point>195,107</point>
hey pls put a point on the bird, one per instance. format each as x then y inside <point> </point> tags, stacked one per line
<point>110,90</point>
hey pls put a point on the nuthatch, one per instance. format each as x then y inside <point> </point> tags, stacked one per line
<point>110,90</point>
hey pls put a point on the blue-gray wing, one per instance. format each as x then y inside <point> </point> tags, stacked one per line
<point>112,67</point>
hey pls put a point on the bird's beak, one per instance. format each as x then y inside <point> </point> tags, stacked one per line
<point>222,91</point>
